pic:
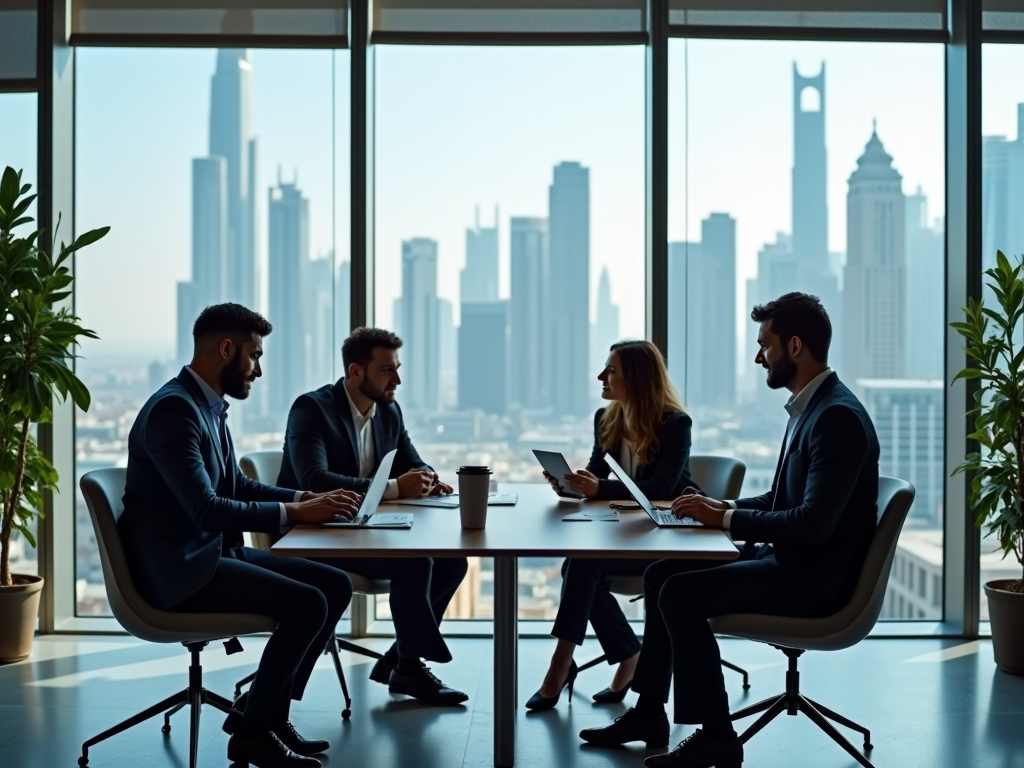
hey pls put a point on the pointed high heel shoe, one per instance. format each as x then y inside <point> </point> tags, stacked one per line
<point>608,696</point>
<point>539,703</point>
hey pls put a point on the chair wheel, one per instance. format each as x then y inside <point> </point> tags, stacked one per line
<point>83,761</point>
<point>868,746</point>
<point>165,729</point>
<point>746,686</point>
<point>346,714</point>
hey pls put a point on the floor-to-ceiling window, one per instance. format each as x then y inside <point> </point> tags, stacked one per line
<point>815,167</point>
<point>509,255</point>
<point>223,175</point>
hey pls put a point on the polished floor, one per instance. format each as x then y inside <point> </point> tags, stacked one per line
<point>932,703</point>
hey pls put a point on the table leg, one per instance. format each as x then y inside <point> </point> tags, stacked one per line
<point>506,631</point>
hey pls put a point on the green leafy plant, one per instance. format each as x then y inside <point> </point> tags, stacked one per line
<point>36,351</point>
<point>996,363</point>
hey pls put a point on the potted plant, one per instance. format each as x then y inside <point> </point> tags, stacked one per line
<point>996,362</point>
<point>36,349</point>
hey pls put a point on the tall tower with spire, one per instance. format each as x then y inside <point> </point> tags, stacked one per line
<point>810,208</point>
<point>874,281</point>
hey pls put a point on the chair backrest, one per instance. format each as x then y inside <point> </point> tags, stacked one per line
<point>263,467</point>
<point>720,477</point>
<point>103,490</point>
<point>854,621</point>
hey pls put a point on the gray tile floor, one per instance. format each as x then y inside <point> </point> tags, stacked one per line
<point>928,702</point>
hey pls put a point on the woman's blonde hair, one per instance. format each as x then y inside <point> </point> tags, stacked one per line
<point>650,396</point>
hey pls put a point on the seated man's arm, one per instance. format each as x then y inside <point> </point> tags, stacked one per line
<point>247,489</point>
<point>307,449</point>
<point>838,447</point>
<point>172,440</point>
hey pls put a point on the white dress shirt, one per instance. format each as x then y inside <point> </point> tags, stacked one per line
<point>795,407</point>
<point>363,422</point>
<point>628,460</point>
<point>219,406</point>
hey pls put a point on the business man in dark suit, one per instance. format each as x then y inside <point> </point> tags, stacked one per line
<point>806,540</point>
<point>336,437</point>
<point>186,505</point>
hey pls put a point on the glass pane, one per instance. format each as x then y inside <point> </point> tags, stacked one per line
<point>823,171</point>
<point>18,146</point>
<point>509,252</point>
<point>217,172</point>
<point>1002,125</point>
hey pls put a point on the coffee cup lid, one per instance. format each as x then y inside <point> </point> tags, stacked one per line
<point>473,470</point>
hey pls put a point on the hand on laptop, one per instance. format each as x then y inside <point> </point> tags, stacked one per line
<point>323,507</point>
<point>438,488</point>
<point>707,511</point>
<point>415,483</point>
<point>583,482</point>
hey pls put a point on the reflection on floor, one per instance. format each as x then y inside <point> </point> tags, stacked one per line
<point>928,702</point>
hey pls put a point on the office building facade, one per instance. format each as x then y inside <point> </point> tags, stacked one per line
<point>528,307</point>
<point>418,325</point>
<point>483,356</point>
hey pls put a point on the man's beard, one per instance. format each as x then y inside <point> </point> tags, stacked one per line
<point>233,380</point>
<point>377,394</point>
<point>783,372</point>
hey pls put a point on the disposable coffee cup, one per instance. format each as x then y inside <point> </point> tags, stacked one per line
<point>474,482</point>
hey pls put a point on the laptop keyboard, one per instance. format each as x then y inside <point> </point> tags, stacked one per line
<point>667,518</point>
<point>357,520</point>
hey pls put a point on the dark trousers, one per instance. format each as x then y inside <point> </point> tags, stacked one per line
<point>421,588</point>
<point>680,596</point>
<point>585,596</point>
<point>307,600</point>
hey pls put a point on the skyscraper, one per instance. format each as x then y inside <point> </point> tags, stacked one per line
<point>702,315</point>
<point>874,280</point>
<point>925,305</point>
<point>479,280</point>
<point>569,288</point>
<point>605,331</point>
<point>810,209</point>
<point>483,356</point>
<point>528,363</point>
<point>419,317</point>
<point>290,306</point>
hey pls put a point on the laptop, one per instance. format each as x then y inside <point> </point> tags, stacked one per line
<point>662,517</point>
<point>368,516</point>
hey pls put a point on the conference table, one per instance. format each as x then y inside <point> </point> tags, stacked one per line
<point>534,527</point>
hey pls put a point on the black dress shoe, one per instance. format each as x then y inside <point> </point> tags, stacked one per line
<point>381,671</point>
<point>611,696</point>
<point>539,703</point>
<point>631,726</point>
<point>425,686</point>
<point>698,750</point>
<point>297,743</point>
<point>264,750</point>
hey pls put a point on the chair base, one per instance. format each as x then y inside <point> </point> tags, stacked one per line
<point>194,695</point>
<point>728,665</point>
<point>334,645</point>
<point>792,702</point>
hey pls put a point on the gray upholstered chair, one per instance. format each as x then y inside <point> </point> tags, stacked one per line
<point>264,467</point>
<point>720,477</point>
<point>841,630</point>
<point>103,489</point>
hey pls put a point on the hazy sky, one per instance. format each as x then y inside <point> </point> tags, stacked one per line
<point>461,127</point>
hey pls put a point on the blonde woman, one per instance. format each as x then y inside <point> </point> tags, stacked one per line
<point>647,430</point>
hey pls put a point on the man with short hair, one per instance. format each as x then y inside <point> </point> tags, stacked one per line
<point>814,527</point>
<point>336,438</point>
<point>186,505</point>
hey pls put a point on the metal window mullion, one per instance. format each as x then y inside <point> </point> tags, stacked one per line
<point>361,163</point>
<point>656,174</point>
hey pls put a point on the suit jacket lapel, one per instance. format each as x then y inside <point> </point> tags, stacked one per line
<point>826,386</point>
<point>204,408</point>
<point>344,413</point>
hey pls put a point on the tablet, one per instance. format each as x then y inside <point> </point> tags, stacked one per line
<point>555,465</point>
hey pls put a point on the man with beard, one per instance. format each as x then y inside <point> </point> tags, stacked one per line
<point>186,505</point>
<point>806,540</point>
<point>336,437</point>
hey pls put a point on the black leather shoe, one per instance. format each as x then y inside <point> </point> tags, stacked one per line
<point>264,750</point>
<point>298,743</point>
<point>631,726</point>
<point>381,671</point>
<point>610,696</point>
<point>425,686</point>
<point>698,750</point>
<point>539,703</point>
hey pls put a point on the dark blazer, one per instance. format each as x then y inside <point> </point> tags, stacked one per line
<point>320,449</point>
<point>664,476</point>
<point>183,505</point>
<point>820,514</point>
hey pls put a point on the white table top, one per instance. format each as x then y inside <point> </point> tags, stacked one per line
<point>532,528</point>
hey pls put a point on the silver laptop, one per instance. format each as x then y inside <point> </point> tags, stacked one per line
<point>662,517</point>
<point>368,516</point>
